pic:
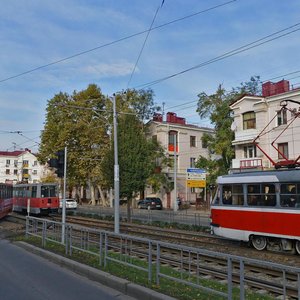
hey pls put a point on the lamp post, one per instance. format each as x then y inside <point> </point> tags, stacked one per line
<point>116,169</point>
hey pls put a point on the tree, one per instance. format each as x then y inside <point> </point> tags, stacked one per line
<point>79,122</point>
<point>216,107</point>
<point>136,158</point>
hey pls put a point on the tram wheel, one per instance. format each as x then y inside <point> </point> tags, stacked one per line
<point>297,246</point>
<point>260,242</point>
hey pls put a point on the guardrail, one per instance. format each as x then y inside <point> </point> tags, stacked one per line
<point>153,258</point>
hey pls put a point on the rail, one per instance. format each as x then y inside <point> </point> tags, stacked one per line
<point>190,265</point>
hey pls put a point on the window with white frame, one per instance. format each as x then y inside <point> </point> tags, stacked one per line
<point>281,117</point>
<point>283,149</point>
<point>192,141</point>
<point>249,151</point>
<point>192,162</point>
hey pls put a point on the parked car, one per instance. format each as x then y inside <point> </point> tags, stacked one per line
<point>70,204</point>
<point>150,203</point>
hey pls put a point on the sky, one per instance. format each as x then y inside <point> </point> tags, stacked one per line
<point>178,48</point>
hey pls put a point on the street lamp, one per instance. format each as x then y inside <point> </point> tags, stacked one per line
<point>116,169</point>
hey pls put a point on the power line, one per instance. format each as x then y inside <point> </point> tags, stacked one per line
<point>233,52</point>
<point>115,41</point>
<point>143,46</point>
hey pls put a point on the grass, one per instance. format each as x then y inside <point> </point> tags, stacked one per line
<point>170,287</point>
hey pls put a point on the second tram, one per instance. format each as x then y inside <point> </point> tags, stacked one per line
<point>260,207</point>
<point>6,200</point>
<point>38,198</point>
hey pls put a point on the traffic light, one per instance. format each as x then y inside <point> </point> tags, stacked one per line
<point>58,163</point>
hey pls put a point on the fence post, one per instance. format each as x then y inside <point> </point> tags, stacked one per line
<point>229,278</point>
<point>44,234</point>
<point>27,227</point>
<point>100,249</point>
<point>242,286</point>
<point>149,261</point>
<point>157,263</point>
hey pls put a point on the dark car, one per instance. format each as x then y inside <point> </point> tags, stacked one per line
<point>150,203</point>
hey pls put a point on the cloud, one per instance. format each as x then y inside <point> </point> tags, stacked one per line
<point>104,70</point>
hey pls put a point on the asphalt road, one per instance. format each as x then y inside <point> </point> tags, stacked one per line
<point>26,276</point>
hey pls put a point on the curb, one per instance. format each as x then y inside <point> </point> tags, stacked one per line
<point>122,285</point>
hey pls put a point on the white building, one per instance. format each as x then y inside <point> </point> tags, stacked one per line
<point>276,130</point>
<point>20,166</point>
<point>189,148</point>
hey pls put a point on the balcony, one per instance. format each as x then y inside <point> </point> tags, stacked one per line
<point>250,163</point>
<point>245,136</point>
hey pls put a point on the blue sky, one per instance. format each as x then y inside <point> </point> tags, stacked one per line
<point>36,33</point>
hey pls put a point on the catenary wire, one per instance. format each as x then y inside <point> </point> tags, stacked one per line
<point>233,52</point>
<point>115,41</point>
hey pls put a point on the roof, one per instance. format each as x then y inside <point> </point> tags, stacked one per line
<point>181,125</point>
<point>12,153</point>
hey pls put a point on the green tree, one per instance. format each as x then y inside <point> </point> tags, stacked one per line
<point>216,107</point>
<point>136,157</point>
<point>79,122</point>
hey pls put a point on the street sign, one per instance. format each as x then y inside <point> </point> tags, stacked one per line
<point>196,178</point>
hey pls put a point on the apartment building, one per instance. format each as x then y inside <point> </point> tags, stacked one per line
<point>272,121</point>
<point>20,166</point>
<point>189,147</point>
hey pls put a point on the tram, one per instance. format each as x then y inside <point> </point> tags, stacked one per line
<point>6,200</point>
<point>38,198</point>
<point>260,207</point>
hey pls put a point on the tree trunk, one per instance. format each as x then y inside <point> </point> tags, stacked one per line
<point>129,210</point>
<point>92,191</point>
<point>102,197</point>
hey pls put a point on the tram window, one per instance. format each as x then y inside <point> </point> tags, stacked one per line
<point>48,191</point>
<point>269,195</point>
<point>227,194</point>
<point>34,192</point>
<point>288,195</point>
<point>237,194</point>
<point>254,195</point>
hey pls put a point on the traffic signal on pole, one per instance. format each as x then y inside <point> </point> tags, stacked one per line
<point>58,163</point>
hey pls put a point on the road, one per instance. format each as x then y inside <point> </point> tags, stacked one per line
<point>29,277</point>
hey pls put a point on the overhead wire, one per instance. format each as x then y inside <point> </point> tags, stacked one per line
<point>225,55</point>
<point>114,42</point>
<point>144,43</point>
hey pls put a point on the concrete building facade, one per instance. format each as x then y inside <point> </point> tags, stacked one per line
<point>20,166</point>
<point>189,147</point>
<point>270,120</point>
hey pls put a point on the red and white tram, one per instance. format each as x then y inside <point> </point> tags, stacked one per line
<point>6,200</point>
<point>40,198</point>
<point>262,207</point>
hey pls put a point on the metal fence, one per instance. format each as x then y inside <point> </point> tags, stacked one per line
<point>160,261</point>
<point>152,216</point>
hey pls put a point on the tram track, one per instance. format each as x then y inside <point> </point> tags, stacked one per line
<point>256,278</point>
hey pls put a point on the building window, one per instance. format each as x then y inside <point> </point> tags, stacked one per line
<point>15,172</point>
<point>35,163</point>
<point>283,149</point>
<point>249,151</point>
<point>7,171</point>
<point>8,162</point>
<point>172,135</point>
<point>249,121</point>
<point>34,172</point>
<point>25,163</point>
<point>192,162</point>
<point>192,141</point>
<point>282,117</point>
<point>15,163</point>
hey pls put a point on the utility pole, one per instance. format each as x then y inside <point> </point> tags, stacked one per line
<point>116,169</point>
<point>175,172</point>
<point>63,227</point>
